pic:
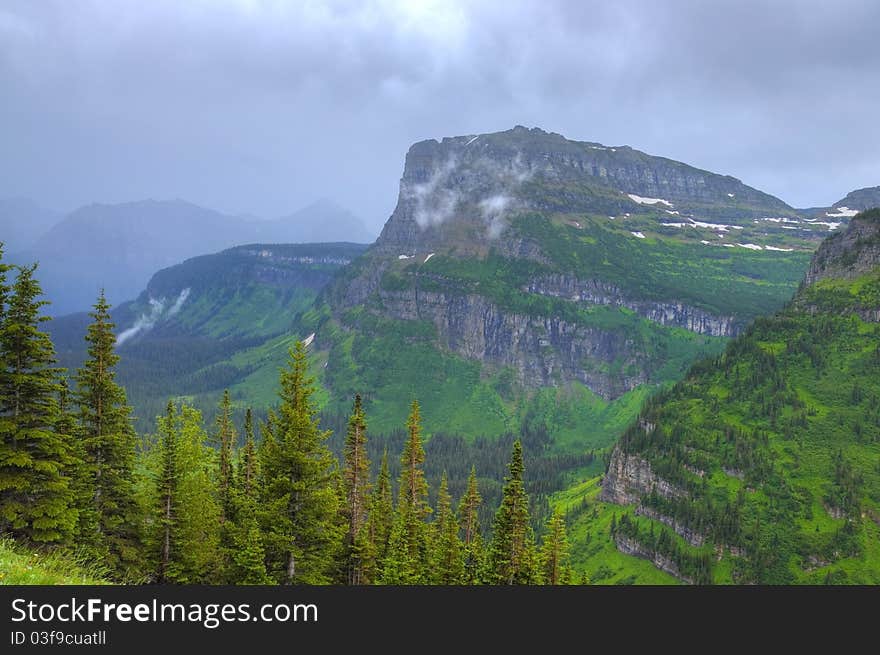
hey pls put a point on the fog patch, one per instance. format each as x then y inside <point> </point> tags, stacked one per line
<point>146,321</point>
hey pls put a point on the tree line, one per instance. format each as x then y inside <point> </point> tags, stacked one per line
<point>192,505</point>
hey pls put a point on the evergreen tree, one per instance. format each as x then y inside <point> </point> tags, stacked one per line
<point>188,514</point>
<point>167,491</point>
<point>247,463</point>
<point>379,522</point>
<point>35,491</point>
<point>554,552</point>
<point>109,526</point>
<point>300,503</point>
<point>356,478</point>
<point>512,550</point>
<point>225,440</point>
<point>243,541</point>
<point>447,560</point>
<point>468,511</point>
<point>412,503</point>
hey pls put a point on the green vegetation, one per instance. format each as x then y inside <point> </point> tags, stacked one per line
<point>775,448</point>
<point>737,282</point>
<point>20,565</point>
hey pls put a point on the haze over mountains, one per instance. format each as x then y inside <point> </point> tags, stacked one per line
<point>532,269</point>
<point>531,285</point>
<point>118,247</point>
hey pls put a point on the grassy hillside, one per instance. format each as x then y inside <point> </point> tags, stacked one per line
<point>766,459</point>
<point>22,566</point>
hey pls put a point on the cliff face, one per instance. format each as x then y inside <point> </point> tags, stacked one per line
<point>543,351</point>
<point>672,314</point>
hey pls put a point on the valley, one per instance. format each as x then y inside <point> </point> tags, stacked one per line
<point>627,317</point>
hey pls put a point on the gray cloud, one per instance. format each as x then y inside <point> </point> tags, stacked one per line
<point>261,107</point>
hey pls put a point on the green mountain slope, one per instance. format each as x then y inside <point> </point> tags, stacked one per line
<point>212,322</point>
<point>528,280</point>
<point>763,464</point>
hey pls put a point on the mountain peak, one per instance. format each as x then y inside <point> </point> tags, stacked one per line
<point>460,191</point>
<point>851,253</point>
<point>860,199</point>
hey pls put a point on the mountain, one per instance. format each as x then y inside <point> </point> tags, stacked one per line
<point>212,322</point>
<point>22,222</point>
<point>528,280</point>
<point>763,464</point>
<point>320,222</point>
<point>118,247</point>
<point>860,199</point>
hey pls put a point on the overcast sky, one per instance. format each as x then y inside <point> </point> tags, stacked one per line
<point>262,107</point>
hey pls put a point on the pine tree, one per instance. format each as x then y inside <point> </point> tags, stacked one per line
<point>35,491</point>
<point>167,491</point>
<point>379,522</point>
<point>300,504</point>
<point>512,550</point>
<point>225,440</point>
<point>243,541</point>
<point>109,526</point>
<point>468,511</point>
<point>187,515</point>
<point>412,503</point>
<point>356,478</point>
<point>447,561</point>
<point>247,464</point>
<point>554,552</point>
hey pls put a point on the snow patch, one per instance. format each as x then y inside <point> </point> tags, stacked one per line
<point>648,201</point>
<point>427,258</point>
<point>674,224</point>
<point>638,235</point>
<point>405,256</point>
<point>778,219</point>
<point>730,195</point>
<point>308,340</point>
<point>843,212</point>
<point>721,227</point>
<point>778,249</point>
<point>471,141</point>
<point>750,246</point>
<point>728,245</point>
<point>831,225</point>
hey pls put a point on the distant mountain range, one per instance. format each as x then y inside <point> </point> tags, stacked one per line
<point>22,222</point>
<point>118,247</point>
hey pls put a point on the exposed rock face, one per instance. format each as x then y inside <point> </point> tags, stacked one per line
<point>544,351</point>
<point>630,477</point>
<point>693,537</point>
<point>848,254</point>
<point>632,547</point>
<point>673,314</point>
